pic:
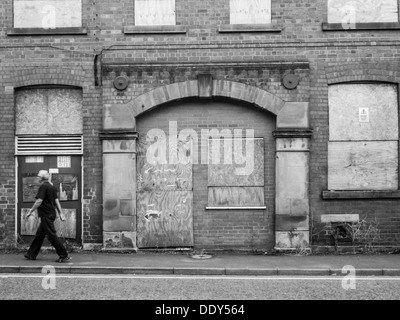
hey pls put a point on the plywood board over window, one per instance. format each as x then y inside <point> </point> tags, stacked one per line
<point>363,134</point>
<point>236,196</point>
<point>368,165</point>
<point>363,112</point>
<point>49,111</point>
<point>236,173</point>
<point>363,11</point>
<point>237,166</point>
<point>47,14</point>
<point>250,11</point>
<point>154,12</point>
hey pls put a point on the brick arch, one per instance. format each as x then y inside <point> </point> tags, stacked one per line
<point>384,72</point>
<point>49,76</point>
<point>220,88</point>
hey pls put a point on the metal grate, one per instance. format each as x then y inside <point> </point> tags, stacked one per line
<point>30,145</point>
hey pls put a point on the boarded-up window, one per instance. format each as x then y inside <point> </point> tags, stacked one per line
<point>49,111</point>
<point>236,173</point>
<point>363,137</point>
<point>47,14</point>
<point>154,12</point>
<point>362,11</point>
<point>250,11</point>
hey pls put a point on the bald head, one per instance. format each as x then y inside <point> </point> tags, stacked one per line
<point>44,175</point>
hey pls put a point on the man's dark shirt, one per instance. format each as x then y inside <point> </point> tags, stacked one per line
<point>49,195</point>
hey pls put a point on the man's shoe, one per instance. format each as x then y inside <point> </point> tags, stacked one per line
<point>66,259</point>
<point>29,257</point>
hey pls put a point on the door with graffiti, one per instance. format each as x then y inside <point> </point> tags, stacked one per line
<point>164,195</point>
<point>66,177</point>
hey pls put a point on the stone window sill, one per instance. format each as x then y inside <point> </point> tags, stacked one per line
<point>236,28</point>
<point>46,32</point>
<point>236,208</point>
<point>154,29</point>
<point>362,26</point>
<point>354,195</point>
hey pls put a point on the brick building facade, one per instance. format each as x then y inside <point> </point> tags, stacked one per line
<point>329,150</point>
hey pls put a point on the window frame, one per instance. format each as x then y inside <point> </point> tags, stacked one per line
<point>35,31</point>
<point>269,26</point>
<point>135,29</point>
<point>368,194</point>
<point>361,26</point>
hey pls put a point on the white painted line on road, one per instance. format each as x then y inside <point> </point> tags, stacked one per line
<point>183,277</point>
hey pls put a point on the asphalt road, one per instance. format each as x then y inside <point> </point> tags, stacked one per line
<point>88,287</point>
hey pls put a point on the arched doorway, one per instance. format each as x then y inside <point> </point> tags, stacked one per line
<point>274,212</point>
<point>203,203</point>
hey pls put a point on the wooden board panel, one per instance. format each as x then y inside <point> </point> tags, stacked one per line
<point>29,226</point>
<point>30,187</point>
<point>49,111</point>
<point>154,12</point>
<point>250,11</point>
<point>158,148</point>
<point>365,11</point>
<point>165,219</point>
<point>235,196</point>
<point>31,111</point>
<point>66,229</point>
<point>66,185</point>
<point>47,13</point>
<point>163,177</point>
<point>346,101</point>
<point>225,174</point>
<point>65,111</point>
<point>363,165</point>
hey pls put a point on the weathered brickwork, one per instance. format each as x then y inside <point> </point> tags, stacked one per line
<point>68,73</point>
<point>91,61</point>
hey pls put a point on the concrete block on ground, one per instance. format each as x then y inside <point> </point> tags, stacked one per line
<point>295,239</point>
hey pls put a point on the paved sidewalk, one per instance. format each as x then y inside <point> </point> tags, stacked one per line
<point>218,264</point>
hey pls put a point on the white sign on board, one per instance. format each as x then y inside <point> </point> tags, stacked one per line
<point>363,115</point>
<point>64,162</point>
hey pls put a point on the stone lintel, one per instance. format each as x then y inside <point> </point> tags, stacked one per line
<point>118,135</point>
<point>329,218</point>
<point>361,26</point>
<point>362,194</point>
<point>231,28</point>
<point>177,29</point>
<point>293,144</point>
<point>46,32</point>
<point>293,133</point>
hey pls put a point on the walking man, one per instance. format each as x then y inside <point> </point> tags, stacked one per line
<point>47,205</point>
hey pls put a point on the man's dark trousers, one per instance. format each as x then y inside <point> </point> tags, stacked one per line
<point>46,228</point>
